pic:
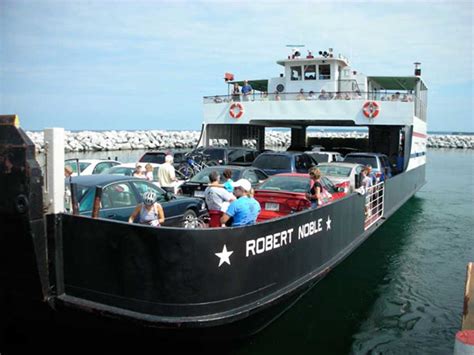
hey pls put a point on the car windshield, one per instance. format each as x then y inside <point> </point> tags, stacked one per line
<point>286,183</point>
<point>203,175</point>
<point>119,170</point>
<point>157,158</point>
<point>73,164</point>
<point>362,159</point>
<point>320,158</point>
<point>277,162</point>
<point>332,170</point>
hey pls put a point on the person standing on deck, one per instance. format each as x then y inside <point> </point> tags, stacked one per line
<point>166,175</point>
<point>217,199</point>
<point>315,193</point>
<point>246,90</point>
<point>245,209</point>
<point>236,93</point>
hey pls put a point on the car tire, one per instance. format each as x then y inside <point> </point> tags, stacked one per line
<point>190,220</point>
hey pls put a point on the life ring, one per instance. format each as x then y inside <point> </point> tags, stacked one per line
<point>371,109</point>
<point>236,106</point>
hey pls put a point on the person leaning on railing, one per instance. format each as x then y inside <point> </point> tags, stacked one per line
<point>246,90</point>
<point>236,92</point>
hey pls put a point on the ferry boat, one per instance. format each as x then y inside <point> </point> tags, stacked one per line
<point>231,281</point>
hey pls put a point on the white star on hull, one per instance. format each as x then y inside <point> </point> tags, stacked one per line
<point>224,256</point>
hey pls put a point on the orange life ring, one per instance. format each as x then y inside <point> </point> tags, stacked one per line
<point>236,106</point>
<point>371,109</point>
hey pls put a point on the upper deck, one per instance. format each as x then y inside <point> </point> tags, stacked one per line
<point>321,90</point>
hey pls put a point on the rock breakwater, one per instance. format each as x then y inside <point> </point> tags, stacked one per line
<point>155,139</point>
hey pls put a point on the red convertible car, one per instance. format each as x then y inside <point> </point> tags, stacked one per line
<point>283,194</point>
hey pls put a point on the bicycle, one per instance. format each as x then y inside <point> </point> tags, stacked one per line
<point>193,164</point>
<point>198,222</point>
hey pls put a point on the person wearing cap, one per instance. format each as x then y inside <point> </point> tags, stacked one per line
<point>245,209</point>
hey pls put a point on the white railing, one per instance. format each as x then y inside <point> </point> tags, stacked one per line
<point>374,197</point>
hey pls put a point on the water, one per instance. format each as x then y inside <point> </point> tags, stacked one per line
<point>401,292</point>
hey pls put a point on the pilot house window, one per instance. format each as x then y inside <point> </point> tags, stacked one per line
<point>324,72</point>
<point>310,72</point>
<point>295,73</point>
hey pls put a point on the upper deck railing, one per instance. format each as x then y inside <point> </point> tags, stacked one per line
<point>320,96</point>
<point>399,96</point>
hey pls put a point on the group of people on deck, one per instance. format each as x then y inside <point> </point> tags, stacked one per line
<point>229,203</point>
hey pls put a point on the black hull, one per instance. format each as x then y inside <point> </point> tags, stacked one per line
<point>216,282</point>
<point>170,278</point>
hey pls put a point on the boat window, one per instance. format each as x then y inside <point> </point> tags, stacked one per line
<point>286,183</point>
<point>310,72</point>
<point>143,187</point>
<point>296,73</point>
<point>324,72</point>
<point>274,162</point>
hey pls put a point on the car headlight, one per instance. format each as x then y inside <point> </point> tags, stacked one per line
<point>203,205</point>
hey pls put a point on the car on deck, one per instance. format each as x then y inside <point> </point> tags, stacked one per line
<point>283,194</point>
<point>325,157</point>
<point>127,169</point>
<point>89,166</point>
<point>284,162</point>
<point>380,164</point>
<point>121,194</point>
<point>199,182</point>
<point>342,174</point>
<point>158,156</point>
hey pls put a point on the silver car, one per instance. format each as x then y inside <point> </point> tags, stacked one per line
<point>342,173</point>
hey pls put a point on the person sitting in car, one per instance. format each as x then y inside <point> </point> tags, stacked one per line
<point>217,199</point>
<point>245,209</point>
<point>149,212</point>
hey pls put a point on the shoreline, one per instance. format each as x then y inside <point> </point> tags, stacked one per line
<point>87,141</point>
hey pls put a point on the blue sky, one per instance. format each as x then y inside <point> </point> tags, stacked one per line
<point>147,64</point>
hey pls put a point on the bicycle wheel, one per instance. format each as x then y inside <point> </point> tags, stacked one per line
<point>186,171</point>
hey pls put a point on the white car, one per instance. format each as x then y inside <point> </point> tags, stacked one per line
<point>339,173</point>
<point>127,169</point>
<point>90,166</point>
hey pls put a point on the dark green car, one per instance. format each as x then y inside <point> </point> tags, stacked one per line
<point>121,194</point>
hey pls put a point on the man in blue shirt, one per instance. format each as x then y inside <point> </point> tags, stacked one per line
<point>246,90</point>
<point>245,209</point>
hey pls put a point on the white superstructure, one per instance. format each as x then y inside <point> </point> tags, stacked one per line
<point>324,90</point>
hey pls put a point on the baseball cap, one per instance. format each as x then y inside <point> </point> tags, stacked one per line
<point>243,183</point>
